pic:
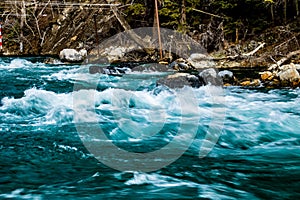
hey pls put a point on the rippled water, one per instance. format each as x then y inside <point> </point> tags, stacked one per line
<point>44,153</point>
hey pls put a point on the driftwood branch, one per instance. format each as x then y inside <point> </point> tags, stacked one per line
<point>283,60</point>
<point>241,56</point>
<point>255,50</point>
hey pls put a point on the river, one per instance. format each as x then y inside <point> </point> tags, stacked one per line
<point>51,117</point>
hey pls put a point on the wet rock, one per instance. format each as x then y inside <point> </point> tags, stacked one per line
<point>227,77</point>
<point>275,83</point>
<point>95,69</point>
<point>201,61</point>
<point>52,61</point>
<point>72,55</point>
<point>179,80</point>
<point>210,76</point>
<point>245,83</point>
<point>255,83</point>
<point>181,65</point>
<point>109,70</point>
<point>248,82</point>
<point>267,75</point>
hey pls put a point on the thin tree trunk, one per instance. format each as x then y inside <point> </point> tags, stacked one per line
<point>285,11</point>
<point>158,30</point>
<point>297,7</point>
<point>272,13</point>
<point>236,35</point>
<point>183,16</point>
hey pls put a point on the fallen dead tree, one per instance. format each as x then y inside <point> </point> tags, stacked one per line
<point>241,56</point>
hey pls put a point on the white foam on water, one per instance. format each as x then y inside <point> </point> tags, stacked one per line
<point>19,194</point>
<point>158,180</point>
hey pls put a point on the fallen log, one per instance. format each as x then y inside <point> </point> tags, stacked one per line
<point>255,50</point>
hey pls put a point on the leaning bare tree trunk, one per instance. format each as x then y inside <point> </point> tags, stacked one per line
<point>132,34</point>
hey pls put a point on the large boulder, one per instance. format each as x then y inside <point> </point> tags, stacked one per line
<point>288,73</point>
<point>201,61</point>
<point>179,80</point>
<point>211,77</point>
<point>289,76</point>
<point>228,77</point>
<point>72,55</point>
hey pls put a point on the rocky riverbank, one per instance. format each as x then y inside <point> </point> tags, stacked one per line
<point>199,70</point>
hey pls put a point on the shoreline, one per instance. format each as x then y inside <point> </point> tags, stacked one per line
<point>243,76</point>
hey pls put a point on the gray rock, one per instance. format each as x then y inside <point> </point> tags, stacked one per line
<point>288,73</point>
<point>211,77</point>
<point>181,65</point>
<point>52,61</point>
<point>227,77</point>
<point>180,80</point>
<point>71,55</point>
<point>225,73</point>
<point>83,53</point>
<point>201,61</point>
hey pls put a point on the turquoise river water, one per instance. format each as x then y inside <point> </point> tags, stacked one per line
<point>46,137</point>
